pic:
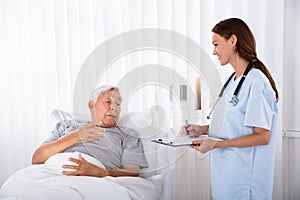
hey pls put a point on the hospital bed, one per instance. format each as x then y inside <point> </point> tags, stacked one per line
<point>45,181</point>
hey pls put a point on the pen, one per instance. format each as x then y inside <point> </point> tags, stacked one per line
<point>186,127</point>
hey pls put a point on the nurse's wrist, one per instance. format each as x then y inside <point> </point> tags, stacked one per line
<point>219,144</point>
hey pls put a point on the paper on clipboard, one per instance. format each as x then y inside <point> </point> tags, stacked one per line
<point>179,141</point>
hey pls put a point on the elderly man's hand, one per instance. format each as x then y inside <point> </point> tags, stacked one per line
<point>84,168</point>
<point>91,132</point>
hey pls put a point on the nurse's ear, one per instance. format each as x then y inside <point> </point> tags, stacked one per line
<point>233,41</point>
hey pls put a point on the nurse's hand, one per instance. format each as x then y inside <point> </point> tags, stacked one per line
<point>194,130</point>
<point>203,146</point>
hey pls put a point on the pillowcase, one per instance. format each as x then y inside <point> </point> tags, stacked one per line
<point>60,115</point>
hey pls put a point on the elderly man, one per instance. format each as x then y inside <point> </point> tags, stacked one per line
<point>118,148</point>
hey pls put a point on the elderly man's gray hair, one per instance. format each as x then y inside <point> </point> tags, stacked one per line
<point>99,90</point>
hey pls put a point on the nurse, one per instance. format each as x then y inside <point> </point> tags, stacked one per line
<point>242,164</point>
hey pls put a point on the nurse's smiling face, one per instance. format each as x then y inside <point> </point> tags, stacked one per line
<point>223,49</point>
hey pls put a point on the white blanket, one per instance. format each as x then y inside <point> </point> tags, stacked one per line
<point>46,182</point>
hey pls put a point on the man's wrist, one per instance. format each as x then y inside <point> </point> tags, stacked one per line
<point>76,137</point>
<point>108,172</point>
<point>103,172</point>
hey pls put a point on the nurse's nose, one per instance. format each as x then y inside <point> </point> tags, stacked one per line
<point>214,52</point>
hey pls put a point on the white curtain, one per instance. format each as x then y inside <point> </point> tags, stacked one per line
<point>44,43</point>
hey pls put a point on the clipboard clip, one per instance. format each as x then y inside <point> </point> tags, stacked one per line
<point>162,141</point>
<point>170,143</point>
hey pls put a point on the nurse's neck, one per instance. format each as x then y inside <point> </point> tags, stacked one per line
<point>239,67</point>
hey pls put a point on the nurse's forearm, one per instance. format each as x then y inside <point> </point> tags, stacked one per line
<point>254,139</point>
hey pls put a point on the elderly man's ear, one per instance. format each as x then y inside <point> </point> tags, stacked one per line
<point>91,105</point>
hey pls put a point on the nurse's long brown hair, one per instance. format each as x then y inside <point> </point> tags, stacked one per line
<point>245,46</point>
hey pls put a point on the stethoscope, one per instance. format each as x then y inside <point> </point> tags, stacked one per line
<point>234,99</point>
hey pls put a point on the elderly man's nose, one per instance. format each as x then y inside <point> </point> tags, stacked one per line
<point>113,111</point>
<point>113,106</point>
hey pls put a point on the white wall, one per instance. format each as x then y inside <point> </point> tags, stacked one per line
<point>291,98</point>
<point>291,69</point>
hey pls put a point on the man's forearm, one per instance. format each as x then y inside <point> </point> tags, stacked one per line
<point>48,149</point>
<point>121,172</point>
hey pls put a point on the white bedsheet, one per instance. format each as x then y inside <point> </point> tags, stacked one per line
<point>46,182</point>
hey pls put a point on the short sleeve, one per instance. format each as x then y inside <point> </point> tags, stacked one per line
<point>61,129</point>
<point>261,104</point>
<point>133,152</point>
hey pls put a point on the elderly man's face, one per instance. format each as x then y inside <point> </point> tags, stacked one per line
<point>107,108</point>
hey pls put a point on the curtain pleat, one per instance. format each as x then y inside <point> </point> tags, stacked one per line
<point>44,43</point>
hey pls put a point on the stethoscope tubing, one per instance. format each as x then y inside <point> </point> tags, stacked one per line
<point>213,108</point>
<point>234,99</point>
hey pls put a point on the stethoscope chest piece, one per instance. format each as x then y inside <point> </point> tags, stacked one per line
<point>233,100</point>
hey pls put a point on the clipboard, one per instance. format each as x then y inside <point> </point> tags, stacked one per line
<point>179,141</point>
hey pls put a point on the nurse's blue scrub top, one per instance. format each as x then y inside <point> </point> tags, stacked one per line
<point>246,173</point>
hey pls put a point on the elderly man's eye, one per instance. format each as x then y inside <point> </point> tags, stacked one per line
<point>107,102</point>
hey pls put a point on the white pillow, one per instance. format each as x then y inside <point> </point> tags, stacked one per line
<point>160,158</point>
<point>60,115</point>
<point>55,162</point>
